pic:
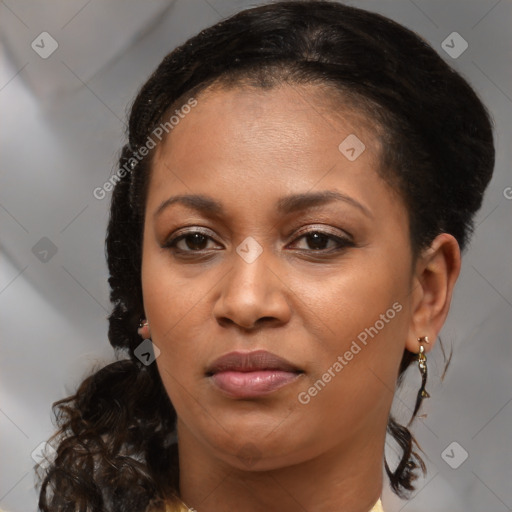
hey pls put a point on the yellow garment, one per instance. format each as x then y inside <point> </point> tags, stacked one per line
<point>377,507</point>
<point>183,508</point>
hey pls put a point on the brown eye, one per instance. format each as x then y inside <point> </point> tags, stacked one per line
<point>193,241</point>
<point>318,241</point>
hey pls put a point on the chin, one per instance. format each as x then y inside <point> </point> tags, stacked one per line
<point>256,447</point>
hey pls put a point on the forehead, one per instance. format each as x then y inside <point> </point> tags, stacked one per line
<point>287,122</point>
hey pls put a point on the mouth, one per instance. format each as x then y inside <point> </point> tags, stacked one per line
<point>251,374</point>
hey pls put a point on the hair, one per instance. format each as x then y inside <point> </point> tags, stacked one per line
<point>116,441</point>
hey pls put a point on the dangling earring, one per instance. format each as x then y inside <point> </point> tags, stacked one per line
<point>143,329</point>
<point>422,365</point>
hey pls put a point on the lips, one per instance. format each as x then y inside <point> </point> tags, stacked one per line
<point>249,362</point>
<point>251,374</point>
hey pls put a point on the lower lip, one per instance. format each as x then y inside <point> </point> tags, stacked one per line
<point>252,384</point>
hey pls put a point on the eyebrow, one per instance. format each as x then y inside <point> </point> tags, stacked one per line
<point>285,205</point>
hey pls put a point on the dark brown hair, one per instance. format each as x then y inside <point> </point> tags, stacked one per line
<point>116,448</point>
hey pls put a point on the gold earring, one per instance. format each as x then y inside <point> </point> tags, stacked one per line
<point>422,365</point>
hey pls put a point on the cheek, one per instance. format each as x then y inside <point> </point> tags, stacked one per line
<point>364,298</point>
<point>170,297</point>
<point>364,318</point>
<point>168,304</point>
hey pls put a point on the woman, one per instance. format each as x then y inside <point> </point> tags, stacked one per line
<point>285,235</point>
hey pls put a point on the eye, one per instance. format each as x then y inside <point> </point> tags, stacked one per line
<point>321,241</point>
<point>191,241</point>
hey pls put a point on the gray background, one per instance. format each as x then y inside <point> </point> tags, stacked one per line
<point>62,126</point>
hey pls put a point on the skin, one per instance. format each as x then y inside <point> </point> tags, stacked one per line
<point>246,148</point>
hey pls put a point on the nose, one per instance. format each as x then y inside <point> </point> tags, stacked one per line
<point>252,295</point>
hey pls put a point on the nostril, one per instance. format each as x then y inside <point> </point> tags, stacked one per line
<point>266,320</point>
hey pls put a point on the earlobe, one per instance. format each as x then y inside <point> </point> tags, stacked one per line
<point>437,270</point>
<point>143,329</point>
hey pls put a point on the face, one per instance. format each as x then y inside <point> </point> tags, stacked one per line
<point>296,247</point>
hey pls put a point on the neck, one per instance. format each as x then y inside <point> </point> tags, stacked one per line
<point>342,478</point>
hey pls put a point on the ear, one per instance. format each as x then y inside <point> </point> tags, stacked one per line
<point>436,272</point>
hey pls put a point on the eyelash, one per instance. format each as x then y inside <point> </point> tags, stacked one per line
<point>342,242</point>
